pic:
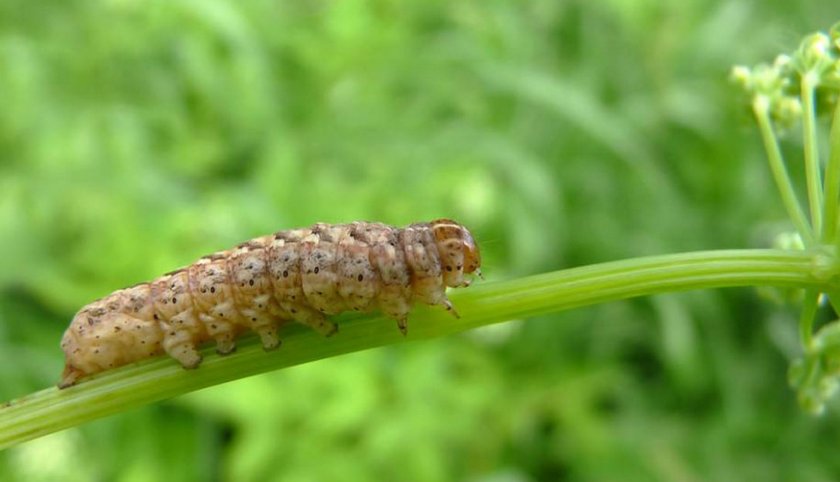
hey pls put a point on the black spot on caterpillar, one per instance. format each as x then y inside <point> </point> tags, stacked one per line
<point>300,275</point>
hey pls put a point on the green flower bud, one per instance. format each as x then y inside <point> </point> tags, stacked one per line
<point>815,57</point>
<point>786,110</point>
<point>788,240</point>
<point>742,77</point>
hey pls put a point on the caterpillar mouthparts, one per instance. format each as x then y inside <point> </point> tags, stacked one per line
<point>300,275</point>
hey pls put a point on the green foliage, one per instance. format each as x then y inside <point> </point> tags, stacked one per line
<point>137,136</point>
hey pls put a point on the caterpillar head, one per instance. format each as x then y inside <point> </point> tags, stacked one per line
<point>459,252</point>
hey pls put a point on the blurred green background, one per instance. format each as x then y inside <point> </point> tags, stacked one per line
<point>137,136</point>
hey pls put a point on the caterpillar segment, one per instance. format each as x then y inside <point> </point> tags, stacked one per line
<point>301,275</point>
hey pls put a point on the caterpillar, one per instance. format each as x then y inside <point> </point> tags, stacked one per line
<point>301,275</point>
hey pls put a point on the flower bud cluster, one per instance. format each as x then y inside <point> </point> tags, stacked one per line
<point>774,88</point>
<point>816,376</point>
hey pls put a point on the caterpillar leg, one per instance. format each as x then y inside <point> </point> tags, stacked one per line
<point>223,335</point>
<point>185,353</point>
<point>314,319</point>
<point>268,336</point>
<point>402,324</point>
<point>225,344</point>
<point>222,332</point>
<point>179,345</point>
<point>265,324</point>
<point>450,308</point>
<point>187,356</point>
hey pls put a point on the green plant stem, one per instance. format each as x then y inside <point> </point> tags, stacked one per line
<point>832,182</point>
<point>806,317</point>
<point>812,158</point>
<point>780,175</point>
<point>118,390</point>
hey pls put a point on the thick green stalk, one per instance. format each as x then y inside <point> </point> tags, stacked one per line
<point>777,167</point>
<point>118,390</point>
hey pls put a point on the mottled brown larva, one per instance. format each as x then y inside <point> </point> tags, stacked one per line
<point>301,275</point>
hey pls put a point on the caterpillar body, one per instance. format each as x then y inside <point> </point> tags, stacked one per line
<point>300,275</point>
